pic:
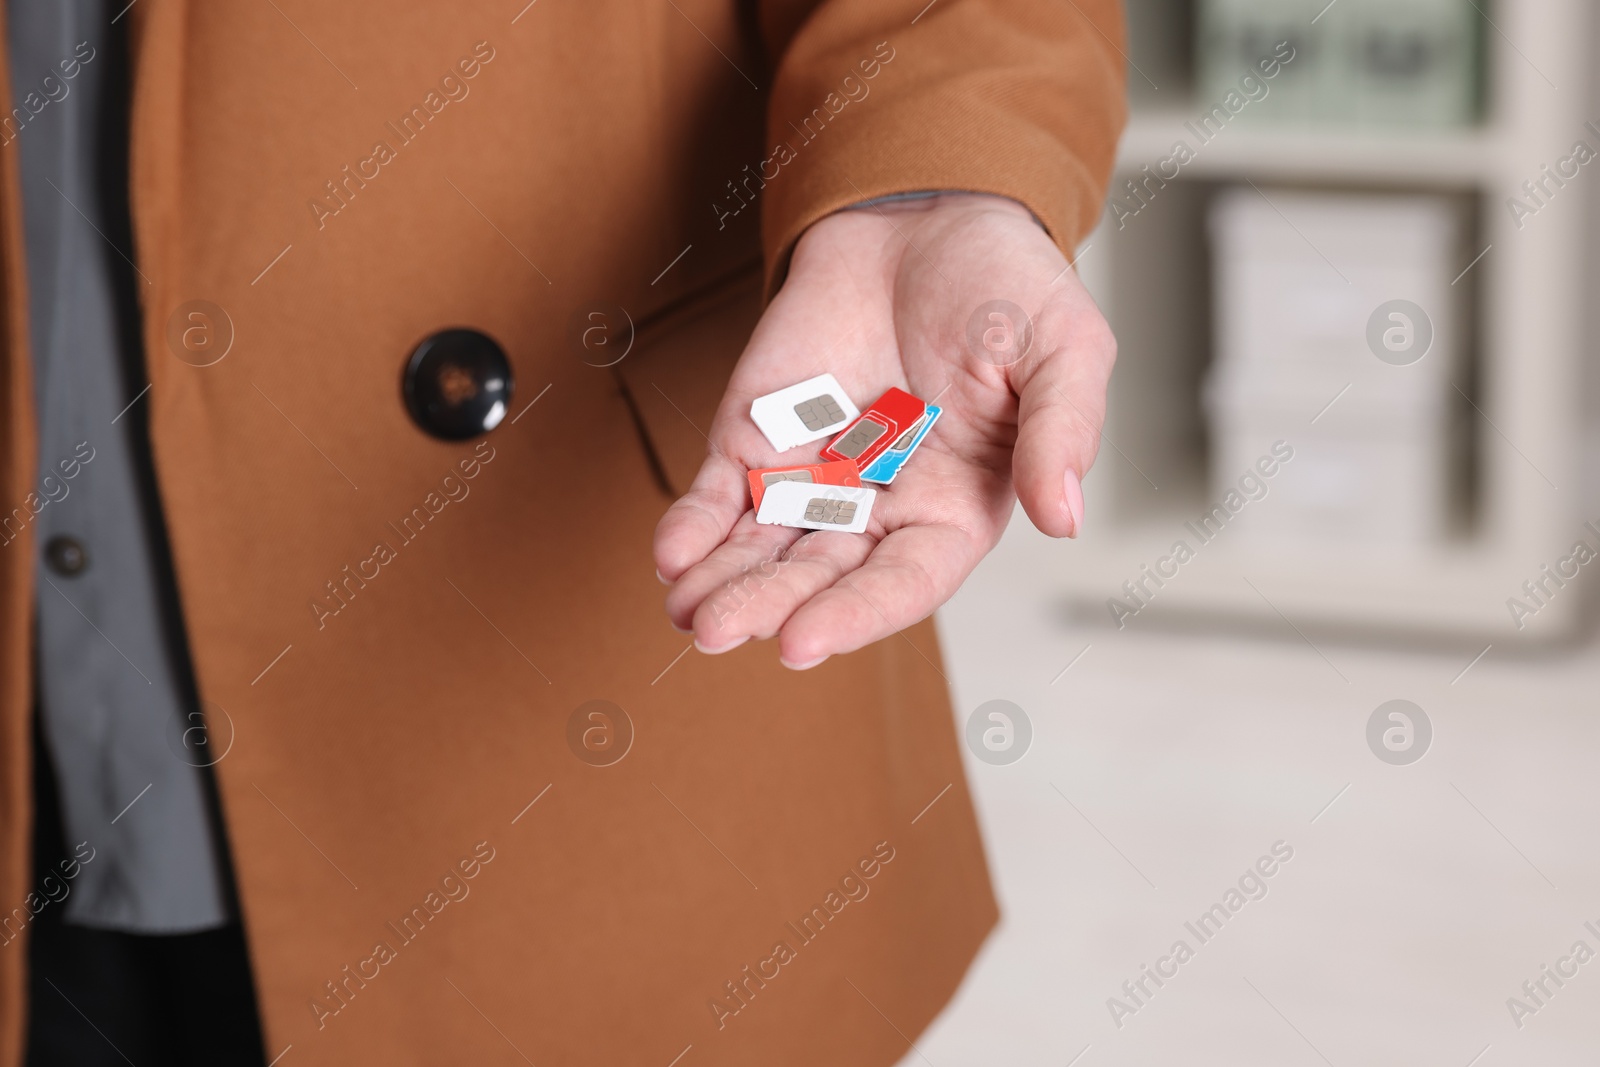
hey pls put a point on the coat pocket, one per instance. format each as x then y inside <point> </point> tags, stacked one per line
<point>678,369</point>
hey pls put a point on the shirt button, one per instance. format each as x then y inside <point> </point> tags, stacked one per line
<point>457,384</point>
<point>66,556</point>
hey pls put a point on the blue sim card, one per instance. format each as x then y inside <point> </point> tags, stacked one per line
<point>883,469</point>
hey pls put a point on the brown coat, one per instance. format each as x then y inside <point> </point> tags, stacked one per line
<point>576,148</point>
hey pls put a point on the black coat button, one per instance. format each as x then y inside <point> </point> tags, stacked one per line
<point>457,384</point>
<point>65,556</point>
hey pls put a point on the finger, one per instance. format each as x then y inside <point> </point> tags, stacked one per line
<point>910,572</point>
<point>701,519</point>
<point>760,599</point>
<point>748,547</point>
<point>1059,416</point>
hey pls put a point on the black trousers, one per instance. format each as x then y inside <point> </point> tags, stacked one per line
<point>102,998</point>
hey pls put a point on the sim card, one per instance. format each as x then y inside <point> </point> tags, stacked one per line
<point>883,469</point>
<point>805,506</point>
<point>841,473</point>
<point>881,425</point>
<point>800,414</point>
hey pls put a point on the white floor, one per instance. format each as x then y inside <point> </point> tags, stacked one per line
<point>1165,762</point>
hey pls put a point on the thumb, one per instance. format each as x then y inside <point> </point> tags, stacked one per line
<point>1061,408</point>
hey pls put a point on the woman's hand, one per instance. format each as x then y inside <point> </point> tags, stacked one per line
<point>902,294</point>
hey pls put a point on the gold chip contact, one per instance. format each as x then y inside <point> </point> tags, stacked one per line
<point>819,412</point>
<point>906,438</point>
<point>833,512</point>
<point>860,438</point>
<point>774,477</point>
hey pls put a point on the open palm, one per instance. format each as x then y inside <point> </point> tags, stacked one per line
<point>904,294</point>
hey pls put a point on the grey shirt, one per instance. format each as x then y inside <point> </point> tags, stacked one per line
<point>120,721</point>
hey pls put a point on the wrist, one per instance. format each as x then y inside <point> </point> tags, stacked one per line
<point>926,200</point>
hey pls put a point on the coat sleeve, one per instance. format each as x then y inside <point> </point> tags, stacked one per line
<point>1022,98</point>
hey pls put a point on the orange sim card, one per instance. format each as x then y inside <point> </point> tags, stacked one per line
<point>841,472</point>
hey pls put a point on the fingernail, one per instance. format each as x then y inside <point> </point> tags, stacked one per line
<point>721,650</point>
<point>660,579</point>
<point>1074,490</point>
<point>680,629</point>
<point>806,666</point>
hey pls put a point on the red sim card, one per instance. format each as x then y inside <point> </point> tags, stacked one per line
<point>875,429</point>
<point>842,472</point>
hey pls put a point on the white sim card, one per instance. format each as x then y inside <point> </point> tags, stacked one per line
<point>803,413</point>
<point>808,506</point>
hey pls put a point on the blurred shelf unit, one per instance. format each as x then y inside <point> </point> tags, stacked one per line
<point>1395,189</point>
<point>1446,158</point>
